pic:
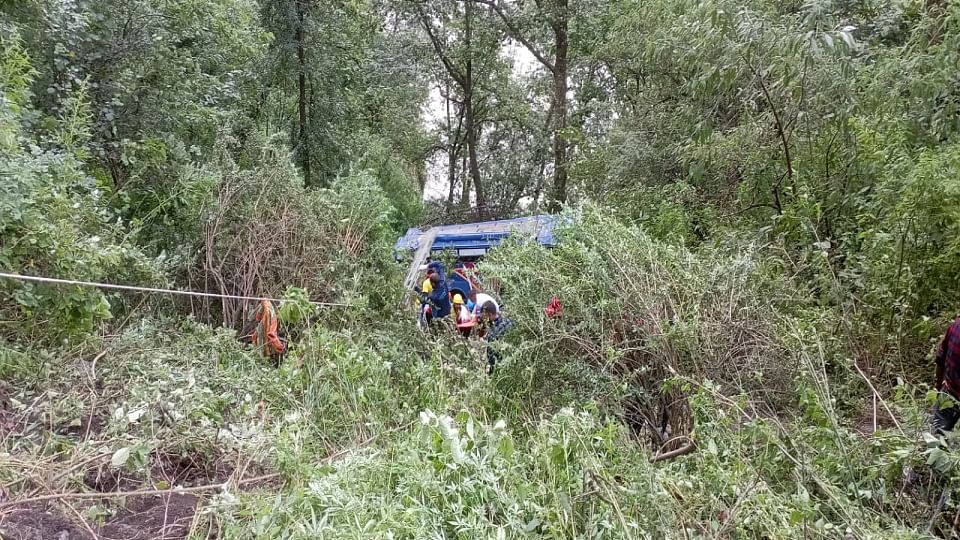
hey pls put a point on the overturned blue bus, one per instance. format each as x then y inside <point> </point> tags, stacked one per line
<point>468,242</point>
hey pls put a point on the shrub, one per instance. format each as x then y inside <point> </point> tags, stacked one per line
<point>54,220</point>
<point>636,312</point>
<point>263,231</point>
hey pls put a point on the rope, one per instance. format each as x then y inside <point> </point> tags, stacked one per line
<point>39,279</point>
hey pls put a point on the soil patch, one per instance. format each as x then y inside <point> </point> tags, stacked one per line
<point>37,523</point>
<point>90,425</point>
<point>167,468</point>
<point>188,469</point>
<point>106,479</point>
<point>168,517</point>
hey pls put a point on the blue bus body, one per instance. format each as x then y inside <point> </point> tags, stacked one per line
<point>471,241</point>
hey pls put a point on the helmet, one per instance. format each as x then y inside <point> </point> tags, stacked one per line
<point>457,299</point>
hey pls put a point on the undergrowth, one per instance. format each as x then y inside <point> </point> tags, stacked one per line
<point>369,429</point>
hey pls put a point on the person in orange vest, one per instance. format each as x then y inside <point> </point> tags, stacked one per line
<point>267,331</point>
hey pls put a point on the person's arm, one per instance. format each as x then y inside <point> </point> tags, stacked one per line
<point>424,297</point>
<point>431,300</point>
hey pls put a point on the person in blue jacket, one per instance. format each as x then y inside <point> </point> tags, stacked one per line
<point>439,297</point>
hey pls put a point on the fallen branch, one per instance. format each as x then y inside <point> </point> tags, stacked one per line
<point>883,402</point>
<point>941,501</point>
<point>683,450</point>
<point>83,522</point>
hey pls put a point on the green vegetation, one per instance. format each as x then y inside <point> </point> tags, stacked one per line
<point>758,252</point>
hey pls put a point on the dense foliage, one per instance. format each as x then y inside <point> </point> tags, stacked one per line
<point>759,217</point>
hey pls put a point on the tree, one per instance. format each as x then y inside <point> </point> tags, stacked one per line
<point>555,14</point>
<point>336,76</point>
<point>291,18</point>
<point>462,73</point>
<point>467,48</point>
<point>303,144</point>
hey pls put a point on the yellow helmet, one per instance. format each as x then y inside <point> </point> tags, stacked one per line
<point>457,299</point>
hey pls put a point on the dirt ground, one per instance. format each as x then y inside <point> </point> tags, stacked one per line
<point>166,517</point>
<point>144,518</point>
<point>158,517</point>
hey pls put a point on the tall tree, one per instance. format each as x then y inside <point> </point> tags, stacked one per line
<point>341,82</point>
<point>303,143</point>
<point>454,140</point>
<point>462,73</point>
<point>555,14</point>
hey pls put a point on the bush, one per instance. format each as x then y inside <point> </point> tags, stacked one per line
<point>571,474</point>
<point>263,231</point>
<point>637,312</point>
<point>54,220</point>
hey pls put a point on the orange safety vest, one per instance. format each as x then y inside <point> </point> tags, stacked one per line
<point>267,330</point>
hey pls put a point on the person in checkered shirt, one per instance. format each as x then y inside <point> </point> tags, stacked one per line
<point>946,412</point>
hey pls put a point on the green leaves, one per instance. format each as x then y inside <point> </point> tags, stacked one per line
<point>120,457</point>
<point>296,306</point>
<point>54,222</point>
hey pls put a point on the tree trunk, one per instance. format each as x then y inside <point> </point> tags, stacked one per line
<point>451,176</point>
<point>451,151</point>
<point>473,160</point>
<point>465,188</point>
<point>422,177</point>
<point>468,115</point>
<point>559,25</point>
<point>303,143</point>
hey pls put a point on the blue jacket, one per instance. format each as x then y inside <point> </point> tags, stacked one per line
<point>439,298</point>
<point>500,327</point>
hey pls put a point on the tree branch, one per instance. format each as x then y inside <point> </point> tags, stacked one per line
<point>776,117</point>
<point>451,69</point>
<point>517,35</point>
<point>683,450</point>
<point>433,148</point>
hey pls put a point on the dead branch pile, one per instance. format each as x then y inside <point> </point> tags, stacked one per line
<point>265,232</point>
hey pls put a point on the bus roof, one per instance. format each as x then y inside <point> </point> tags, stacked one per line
<point>474,239</point>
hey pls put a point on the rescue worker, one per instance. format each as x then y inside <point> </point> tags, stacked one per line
<point>263,330</point>
<point>479,299</point>
<point>499,326</point>
<point>427,288</point>
<point>438,298</point>
<point>946,411</point>
<point>464,317</point>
